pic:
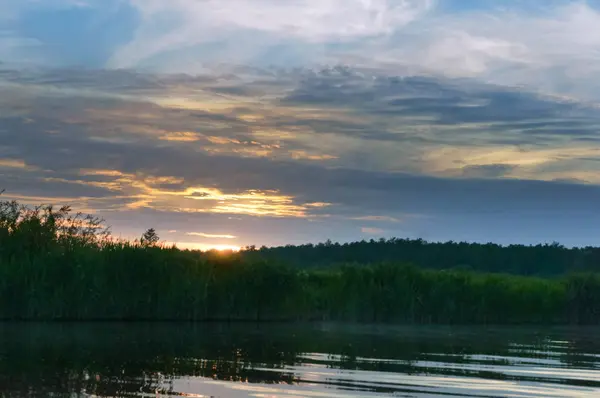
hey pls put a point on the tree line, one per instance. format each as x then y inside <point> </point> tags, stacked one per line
<point>539,260</point>
<point>56,265</point>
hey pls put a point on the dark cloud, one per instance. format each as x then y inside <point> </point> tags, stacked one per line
<point>114,152</point>
<point>31,184</point>
<point>356,190</point>
<point>117,80</point>
<point>447,102</point>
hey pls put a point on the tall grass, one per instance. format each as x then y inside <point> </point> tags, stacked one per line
<point>58,266</point>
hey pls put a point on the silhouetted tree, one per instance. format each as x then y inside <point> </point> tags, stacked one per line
<point>149,238</point>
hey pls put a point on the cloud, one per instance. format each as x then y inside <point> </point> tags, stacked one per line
<point>14,164</point>
<point>405,153</point>
<point>455,120</point>
<point>377,218</point>
<point>487,170</point>
<point>336,117</point>
<point>372,231</point>
<point>180,137</point>
<point>211,236</point>
<point>183,24</point>
<point>550,47</point>
<point>547,47</point>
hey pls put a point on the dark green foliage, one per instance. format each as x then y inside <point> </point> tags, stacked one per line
<point>57,266</point>
<point>540,260</point>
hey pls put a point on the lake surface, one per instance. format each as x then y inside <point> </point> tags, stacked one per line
<point>292,361</point>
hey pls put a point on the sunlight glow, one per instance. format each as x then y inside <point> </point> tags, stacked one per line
<point>205,246</point>
<point>167,193</point>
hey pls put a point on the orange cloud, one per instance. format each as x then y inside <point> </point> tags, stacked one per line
<point>222,140</point>
<point>15,164</point>
<point>298,155</point>
<point>180,137</point>
<point>100,172</point>
<point>145,192</point>
<point>251,202</point>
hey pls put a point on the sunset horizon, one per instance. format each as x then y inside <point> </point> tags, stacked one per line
<point>417,119</point>
<point>299,198</point>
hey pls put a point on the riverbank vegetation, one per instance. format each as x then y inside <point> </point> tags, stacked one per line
<point>540,260</point>
<point>55,265</point>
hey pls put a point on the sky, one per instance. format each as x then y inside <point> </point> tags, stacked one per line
<point>226,123</point>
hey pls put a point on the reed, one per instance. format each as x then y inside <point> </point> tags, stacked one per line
<point>59,266</point>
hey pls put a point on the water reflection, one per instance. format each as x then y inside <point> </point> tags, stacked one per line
<point>117,360</point>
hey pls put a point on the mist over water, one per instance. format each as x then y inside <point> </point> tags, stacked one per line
<point>292,361</point>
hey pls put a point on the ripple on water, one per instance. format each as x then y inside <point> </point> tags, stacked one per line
<point>294,361</point>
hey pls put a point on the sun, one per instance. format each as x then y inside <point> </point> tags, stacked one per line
<point>222,248</point>
<point>207,246</point>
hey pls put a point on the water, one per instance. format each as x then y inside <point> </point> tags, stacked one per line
<point>292,361</point>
